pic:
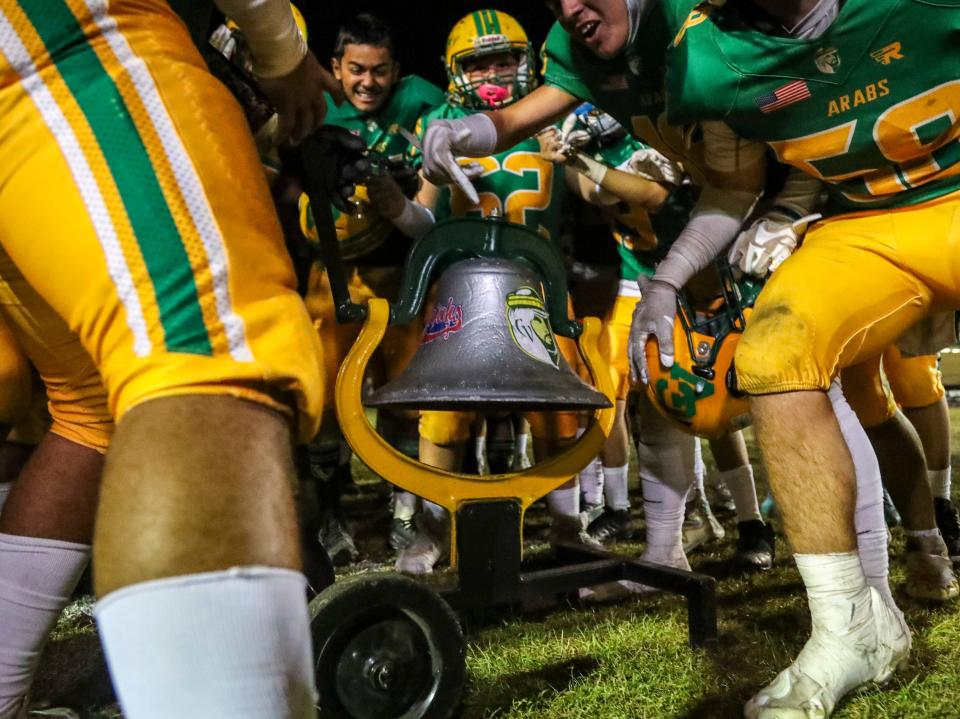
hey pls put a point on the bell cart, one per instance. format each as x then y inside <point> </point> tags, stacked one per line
<point>386,646</point>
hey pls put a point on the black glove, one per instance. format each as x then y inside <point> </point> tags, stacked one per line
<point>333,161</point>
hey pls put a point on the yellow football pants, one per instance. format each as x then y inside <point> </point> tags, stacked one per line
<point>133,204</point>
<point>914,382</point>
<point>848,293</point>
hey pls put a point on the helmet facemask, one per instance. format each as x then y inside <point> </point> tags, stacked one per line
<point>492,91</point>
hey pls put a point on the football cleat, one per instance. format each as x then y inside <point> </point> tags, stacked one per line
<point>699,526</point>
<point>929,570</point>
<point>844,652</point>
<point>402,534</point>
<point>337,542</point>
<point>756,547</point>
<point>430,546</point>
<point>890,514</point>
<point>571,530</point>
<point>721,501</point>
<point>948,522</point>
<point>591,512</point>
<point>612,525</point>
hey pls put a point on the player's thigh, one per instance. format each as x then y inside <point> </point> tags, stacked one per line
<point>75,396</point>
<point>914,381</point>
<point>614,341</point>
<point>866,392</point>
<point>135,205</point>
<point>840,299</point>
<point>444,428</point>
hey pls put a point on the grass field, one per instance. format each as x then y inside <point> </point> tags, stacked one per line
<point>625,660</point>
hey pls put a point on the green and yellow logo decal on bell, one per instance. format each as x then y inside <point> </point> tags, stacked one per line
<point>529,324</point>
<point>680,395</point>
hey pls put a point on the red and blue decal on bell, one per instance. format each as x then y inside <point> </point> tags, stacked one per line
<point>446,320</point>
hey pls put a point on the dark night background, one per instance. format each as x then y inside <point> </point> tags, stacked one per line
<point>420,26</point>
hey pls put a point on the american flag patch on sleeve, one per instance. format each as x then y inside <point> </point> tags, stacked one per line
<point>781,97</point>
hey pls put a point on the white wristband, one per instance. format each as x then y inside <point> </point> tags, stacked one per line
<point>414,221</point>
<point>587,166</point>
<point>271,32</point>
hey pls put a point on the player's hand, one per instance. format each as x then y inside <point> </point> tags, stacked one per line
<point>443,141</point>
<point>334,156</point>
<point>385,196</point>
<point>551,147</point>
<point>573,136</point>
<point>653,316</point>
<point>764,246</point>
<point>298,99</point>
<point>652,165</point>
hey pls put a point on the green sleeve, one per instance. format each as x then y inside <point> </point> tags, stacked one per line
<point>558,62</point>
<point>428,94</point>
<point>618,153</point>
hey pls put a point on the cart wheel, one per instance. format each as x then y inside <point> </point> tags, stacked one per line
<point>386,648</point>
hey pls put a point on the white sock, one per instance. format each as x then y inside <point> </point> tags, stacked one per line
<point>480,454</point>
<point>666,458</point>
<point>939,480</point>
<point>523,439</point>
<point>404,504</point>
<point>615,489</point>
<point>739,481</point>
<point>564,502</point>
<point>37,577</point>
<point>232,643</point>
<point>592,482</point>
<point>5,488</point>
<point>435,513</point>
<point>835,581</point>
<point>868,519</point>
<point>699,468</point>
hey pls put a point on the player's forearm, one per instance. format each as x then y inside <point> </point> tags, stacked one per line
<point>526,117</point>
<point>270,31</point>
<point>800,194</point>
<point>713,224</point>
<point>635,189</point>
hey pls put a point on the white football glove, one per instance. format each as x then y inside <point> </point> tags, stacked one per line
<point>653,315</point>
<point>573,136</point>
<point>473,136</point>
<point>765,245</point>
<point>654,166</point>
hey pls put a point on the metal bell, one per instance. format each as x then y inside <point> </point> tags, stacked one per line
<point>488,346</point>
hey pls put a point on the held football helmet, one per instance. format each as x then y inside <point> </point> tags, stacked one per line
<point>699,392</point>
<point>481,33</point>
<point>601,129</point>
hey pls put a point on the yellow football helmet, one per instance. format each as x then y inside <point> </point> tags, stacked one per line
<point>488,32</point>
<point>359,232</point>
<point>699,392</point>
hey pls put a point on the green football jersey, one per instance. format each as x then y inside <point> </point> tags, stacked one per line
<point>643,238</point>
<point>629,87</point>
<point>518,183</point>
<point>411,97</point>
<point>872,107</point>
<point>364,232</point>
